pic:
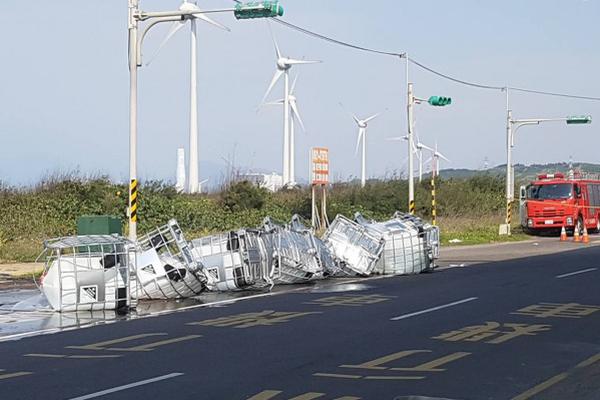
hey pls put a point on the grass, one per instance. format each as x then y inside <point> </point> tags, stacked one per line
<point>477,230</point>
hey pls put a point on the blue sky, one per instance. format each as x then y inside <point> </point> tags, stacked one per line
<point>64,97</point>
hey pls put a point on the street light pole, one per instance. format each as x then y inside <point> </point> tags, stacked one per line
<point>512,126</point>
<point>133,69</point>
<point>265,9</point>
<point>411,181</point>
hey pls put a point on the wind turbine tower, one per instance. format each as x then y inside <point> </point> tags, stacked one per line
<point>180,185</point>
<point>283,67</point>
<point>193,155</point>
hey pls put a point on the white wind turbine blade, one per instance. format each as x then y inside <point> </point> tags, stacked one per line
<point>361,135</point>
<point>175,27</point>
<point>426,147</point>
<point>276,77</point>
<point>440,155</point>
<point>297,114</point>
<point>294,84</point>
<point>291,61</point>
<point>371,118</point>
<point>397,138</point>
<point>349,113</point>
<point>277,51</point>
<point>212,22</point>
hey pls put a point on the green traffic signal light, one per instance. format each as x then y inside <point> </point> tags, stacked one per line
<point>439,101</point>
<point>579,119</point>
<point>258,9</point>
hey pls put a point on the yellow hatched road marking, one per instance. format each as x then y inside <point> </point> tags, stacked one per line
<point>152,346</point>
<point>556,379</point>
<point>104,345</point>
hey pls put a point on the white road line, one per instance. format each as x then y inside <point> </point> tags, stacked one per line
<point>128,386</point>
<point>455,303</point>
<point>583,271</point>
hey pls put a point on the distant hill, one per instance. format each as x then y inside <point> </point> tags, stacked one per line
<point>523,173</point>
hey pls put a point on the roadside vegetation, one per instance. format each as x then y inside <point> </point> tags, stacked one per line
<point>469,210</point>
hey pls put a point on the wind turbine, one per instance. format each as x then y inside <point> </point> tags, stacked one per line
<point>191,6</point>
<point>283,67</point>
<point>435,157</point>
<point>419,150</point>
<point>295,116</point>
<point>362,135</point>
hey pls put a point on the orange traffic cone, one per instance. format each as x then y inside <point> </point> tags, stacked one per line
<point>563,234</point>
<point>576,237</point>
<point>586,238</point>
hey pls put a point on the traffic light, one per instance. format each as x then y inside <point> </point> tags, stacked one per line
<point>439,101</point>
<point>258,9</point>
<point>579,119</point>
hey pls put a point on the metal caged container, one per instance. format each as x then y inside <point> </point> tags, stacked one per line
<point>405,251</point>
<point>296,258</point>
<point>431,233</point>
<point>89,273</point>
<point>355,248</point>
<point>235,260</point>
<point>166,268</point>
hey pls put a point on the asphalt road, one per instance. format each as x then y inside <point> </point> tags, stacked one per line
<point>518,329</point>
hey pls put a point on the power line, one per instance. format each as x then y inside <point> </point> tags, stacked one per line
<point>335,41</point>
<point>477,85</point>
<point>423,66</point>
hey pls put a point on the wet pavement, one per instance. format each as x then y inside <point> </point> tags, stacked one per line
<point>26,312</point>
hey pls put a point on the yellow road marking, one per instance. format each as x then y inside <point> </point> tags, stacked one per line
<point>556,379</point>
<point>589,361</point>
<point>432,366</point>
<point>375,364</point>
<point>45,355</point>
<point>14,375</point>
<point>541,387</point>
<point>103,345</point>
<point>42,355</point>
<point>265,395</point>
<point>152,346</point>
<point>395,378</point>
<point>324,375</point>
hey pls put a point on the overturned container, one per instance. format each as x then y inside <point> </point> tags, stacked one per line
<point>88,273</point>
<point>235,260</point>
<point>296,258</point>
<point>355,248</point>
<point>166,268</point>
<point>408,248</point>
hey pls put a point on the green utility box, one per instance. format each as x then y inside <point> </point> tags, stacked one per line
<point>99,225</point>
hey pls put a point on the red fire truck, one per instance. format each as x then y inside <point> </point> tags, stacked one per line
<point>553,201</point>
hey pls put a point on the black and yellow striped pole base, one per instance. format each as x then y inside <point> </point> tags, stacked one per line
<point>411,207</point>
<point>133,200</point>
<point>433,206</point>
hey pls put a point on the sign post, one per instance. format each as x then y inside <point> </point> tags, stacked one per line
<point>319,179</point>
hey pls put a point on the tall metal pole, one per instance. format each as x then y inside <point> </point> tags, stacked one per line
<point>292,151</point>
<point>193,174</point>
<point>411,182</point>
<point>286,130</point>
<point>363,174</point>
<point>509,172</point>
<point>133,184</point>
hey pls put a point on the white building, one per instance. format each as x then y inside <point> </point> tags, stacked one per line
<point>272,182</point>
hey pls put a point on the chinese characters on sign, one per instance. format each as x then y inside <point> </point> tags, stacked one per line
<point>319,166</point>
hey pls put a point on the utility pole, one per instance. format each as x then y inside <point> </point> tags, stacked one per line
<point>411,145</point>
<point>133,69</point>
